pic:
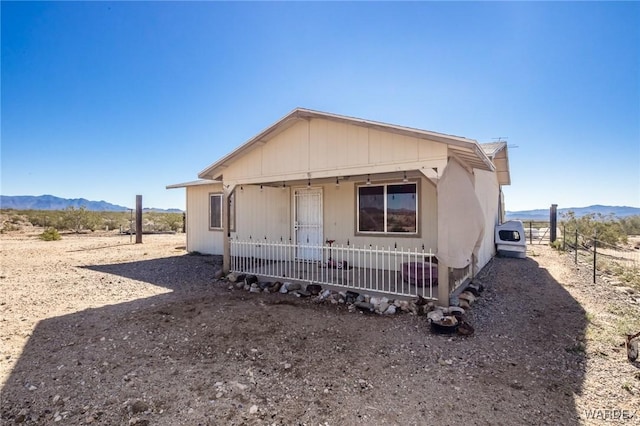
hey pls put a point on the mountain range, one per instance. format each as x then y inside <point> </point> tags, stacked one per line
<point>543,214</point>
<point>50,202</point>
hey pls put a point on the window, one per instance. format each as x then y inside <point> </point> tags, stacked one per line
<point>509,235</point>
<point>388,208</point>
<point>215,211</point>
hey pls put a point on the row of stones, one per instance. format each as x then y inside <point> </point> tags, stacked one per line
<point>355,301</point>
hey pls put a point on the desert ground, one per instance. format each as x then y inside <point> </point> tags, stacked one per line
<point>97,330</point>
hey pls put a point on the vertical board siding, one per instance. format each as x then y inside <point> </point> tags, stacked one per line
<point>199,237</point>
<point>320,145</point>
<point>262,213</point>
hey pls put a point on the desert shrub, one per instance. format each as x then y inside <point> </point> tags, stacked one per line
<point>609,229</point>
<point>557,244</point>
<point>171,221</point>
<point>631,224</point>
<point>50,234</point>
<point>81,219</point>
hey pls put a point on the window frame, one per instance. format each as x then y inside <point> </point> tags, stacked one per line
<point>221,196</point>
<point>386,233</point>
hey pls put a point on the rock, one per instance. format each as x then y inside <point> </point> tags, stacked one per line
<point>403,305</point>
<point>350,296</point>
<point>22,416</point>
<point>364,306</point>
<point>218,274</point>
<point>284,288</point>
<point>247,287</point>
<point>391,310</point>
<point>314,289</point>
<point>239,285</point>
<point>464,304</point>
<point>465,329</point>
<point>275,287</point>
<point>465,295</point>
<point>253,409</point>
<point>632,350</point>
<point>235,277</point>
<point>435,315</point>
<point>361,298</point>
<point>293,286</point>
<point>382,307</point>
<point>255,288</point>
<point>250,279</point>
<point>375,301</point>
<point>138,422</point>
<point>264,285</point>
<point>138,407</point>
<point>56,399</point>
<point>302,293</point>
<point>325,294</point>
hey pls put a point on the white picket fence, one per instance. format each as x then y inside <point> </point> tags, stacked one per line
<point>390,270</point>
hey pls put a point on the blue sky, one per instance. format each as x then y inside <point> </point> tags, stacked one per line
<point>109,100</point>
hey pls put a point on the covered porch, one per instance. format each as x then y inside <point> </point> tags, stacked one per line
<point>352,203</point>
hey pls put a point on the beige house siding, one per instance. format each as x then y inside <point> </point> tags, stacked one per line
<point>270,212</point>
<point>319,147</point>
<point>262,213</point>
<point>199,237</point>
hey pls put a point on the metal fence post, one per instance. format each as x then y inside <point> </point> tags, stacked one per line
<point>595,250</point>
<point>530,232</point>
<point>576,248</point>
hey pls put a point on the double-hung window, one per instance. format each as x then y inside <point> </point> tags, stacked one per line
<point>215,211</point>
<point>388,208</point>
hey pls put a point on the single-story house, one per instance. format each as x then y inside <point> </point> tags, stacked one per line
<point>359,204</point>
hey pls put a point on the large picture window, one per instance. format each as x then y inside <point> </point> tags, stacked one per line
<point>215,211</point>
<point>388,208</point>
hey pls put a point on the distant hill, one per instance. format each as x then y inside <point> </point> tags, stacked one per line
<point>50,202</point>
<point>543,214</point>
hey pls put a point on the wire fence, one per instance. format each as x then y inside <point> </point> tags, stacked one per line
<point>587,249</point>
<point>602,256</point>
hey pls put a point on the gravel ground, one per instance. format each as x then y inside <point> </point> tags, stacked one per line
<point>95,330</point>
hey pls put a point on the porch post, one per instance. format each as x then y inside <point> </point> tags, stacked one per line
<point>226,231</point>
<point>443,284</point>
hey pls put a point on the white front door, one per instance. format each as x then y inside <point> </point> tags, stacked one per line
<point>308,223</point>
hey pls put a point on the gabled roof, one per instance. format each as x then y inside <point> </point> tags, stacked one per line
<point>468,150</point>
<point>497,152</point>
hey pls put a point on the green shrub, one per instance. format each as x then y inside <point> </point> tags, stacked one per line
<point>51,234</point>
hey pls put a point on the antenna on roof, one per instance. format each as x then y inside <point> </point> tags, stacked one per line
<point>504,139</point>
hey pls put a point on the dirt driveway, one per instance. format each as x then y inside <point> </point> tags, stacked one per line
<point>94,330</point>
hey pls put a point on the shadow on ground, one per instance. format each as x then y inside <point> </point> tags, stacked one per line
<point>207,355</point>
